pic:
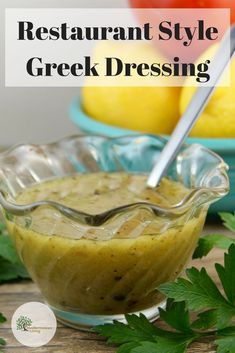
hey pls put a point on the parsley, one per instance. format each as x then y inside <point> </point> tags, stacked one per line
<point>208,242</point>
<point>11,266</point>
<point>228,220</point>
<point>140,336</point>
<point>200,292</point>
<point>226,340</point>
<point>2,341</point>
<point>215,312</point>
<point>2,318</point>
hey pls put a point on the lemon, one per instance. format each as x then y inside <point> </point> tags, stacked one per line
<point>147,109</point>
<point>218,118</point>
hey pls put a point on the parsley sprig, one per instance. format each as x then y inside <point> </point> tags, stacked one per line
<point>214,309</point>
<point>2,341</point>
<point>200,292</point>
<point>11,267</point>
<point>208,242</point>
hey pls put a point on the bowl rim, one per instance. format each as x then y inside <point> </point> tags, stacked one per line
<point>204,194</point>
<point>90,125</point>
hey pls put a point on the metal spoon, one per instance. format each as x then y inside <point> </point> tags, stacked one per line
<point>193,111</point>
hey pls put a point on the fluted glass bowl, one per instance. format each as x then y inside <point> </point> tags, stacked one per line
<point>89,268</point>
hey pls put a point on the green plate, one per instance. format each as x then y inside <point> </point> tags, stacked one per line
<point>224,147</point>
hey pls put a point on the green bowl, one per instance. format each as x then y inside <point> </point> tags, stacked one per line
<point>224,147</point>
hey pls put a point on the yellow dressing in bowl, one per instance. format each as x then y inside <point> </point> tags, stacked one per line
<point>114,268</point>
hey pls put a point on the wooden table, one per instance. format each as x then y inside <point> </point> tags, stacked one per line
<point>68,340</point>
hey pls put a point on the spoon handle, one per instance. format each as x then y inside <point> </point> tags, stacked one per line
<point>193,111</point>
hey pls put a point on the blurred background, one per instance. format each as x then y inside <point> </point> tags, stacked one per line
<point>37,114</point>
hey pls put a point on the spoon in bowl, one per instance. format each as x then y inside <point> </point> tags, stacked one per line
<point>194,110</point>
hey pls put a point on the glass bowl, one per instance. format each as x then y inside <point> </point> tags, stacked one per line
<point>89,269</point>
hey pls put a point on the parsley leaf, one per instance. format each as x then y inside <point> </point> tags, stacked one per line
<point>176,316</point>
<point>200,292</point>
<point>227,274</point>
<point>141,347</point>
<point>138,329</point>
<point>10,271</point>
<point>139,335</point>
<point>11,266</point>
<point>226,340</point>
<point>208,242</point>
<point>128,347</point>
<point>229,220</point>
<point>172,345</point>
<point>2,343</point>
<point>205,320</point>
<point>2,320</point>
<point>7,249</point>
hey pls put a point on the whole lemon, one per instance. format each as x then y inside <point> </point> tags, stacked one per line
<point>148,109</point>
<point>218,118</point>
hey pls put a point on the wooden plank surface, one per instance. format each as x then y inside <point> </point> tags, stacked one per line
<point>68,340</point>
